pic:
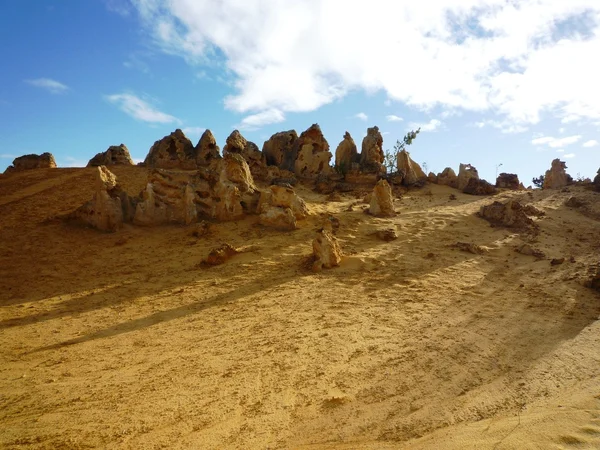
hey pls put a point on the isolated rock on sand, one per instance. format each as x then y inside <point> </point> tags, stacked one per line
<point>346,154</point>
<point>382,201</point>
<point>371,155</point>
<point>510,214</point>
<point>508,181</point>
<point>411,172</point>
<point>387,234</point>
<point>109,207</point>
<point>309,155</point>
<point>207,149</point>
<point>557,176</point>
<point>220,255</point>
<point>236,143</point>
<point>282,219</point>
<point>475,186</point>
<point>235,192</point>
<point>448,178</point>
<point>526,249</point>
<point>326,251</point>
<point>280,208</point>
<point>114,155</point>
<point>277,146</point>
<point>465,173</point>
<point>28,162</point>
<point>174,151</point>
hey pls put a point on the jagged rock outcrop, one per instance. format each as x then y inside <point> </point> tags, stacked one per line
<point>281,208</point>
<point>174,151</point>
<point>32,161</point>
<point>309,156</point>
<point>410,171</point>
<point>236,143</point>
<point>346,154</point>
<point>475,186</point>
<point>557,176</point>
<point>277,146</point>
<point>448,178</point>
<point>371,155</point>
<point>326,251</point>
<point>596,181</point>
<point>207,149</point>
<point>114,155</point>
<point>465,173</point>
<point>432,178</point>
<point>511,214</point>
<point>225,191</point>
<point>382,200</point>
<point>109,208</point>
<point>508,181</point>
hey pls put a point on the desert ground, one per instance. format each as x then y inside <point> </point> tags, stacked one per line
<point>126,340</point>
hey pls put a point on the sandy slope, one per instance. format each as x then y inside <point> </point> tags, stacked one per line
<point>125,341</point>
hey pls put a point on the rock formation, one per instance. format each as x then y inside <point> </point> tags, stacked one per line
<point>326,251</point>
<point>557,176</point>
<point>109,208</point>
<point>277,146</point>
<point>508,181</point>
<point>220,255</point>
<point>114,155</point>
<point>346,154</point>
<point>280,208</point>
<point>511,214</point>
<point>448,178</point>
<point>236,143</point>
<point>382,201</point>
<point>371,155</point>
<point>28,162</point>
<point>207,149</point>
<point>475,186</point>
<point>597,181</point>
<point>465,173</point>
<point>309,155</point>
<point>174,151</point>
<point>410,171</point>
<point>279,218</point>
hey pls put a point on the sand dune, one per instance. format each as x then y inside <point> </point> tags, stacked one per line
<point>126,340</point>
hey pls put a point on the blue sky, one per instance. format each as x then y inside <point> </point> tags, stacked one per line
<point>489,81</point>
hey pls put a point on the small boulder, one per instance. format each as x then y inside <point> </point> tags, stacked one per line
<point>387,234</point>
<point>411,172</point>
<point>510,214</point>
<point>475,186</point>
<point>282,219</point>
<point>32,161</point>
<point>382,200</point>
<point>508,181</point>
<point>114,155</point>
<point>285,197</point>
<point>326,251</point>
<point>220,255</point>
<point>526,249</point>
<point>447,178</point>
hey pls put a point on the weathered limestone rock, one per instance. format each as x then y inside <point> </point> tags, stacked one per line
<point>557,176</point>
<point>174,151</point>
<point>236,143</point>
<point>279,218</point>
<point>28,162</point>
<point>448,178</point>
<point>382,201</point>
<point>109,207</point>
<point>372,156</point>
<point>309,155</point>
<point>508,181</point>
<point>597,181</point>
<point>220,255</point>
<point>284,197</point>
<point>277,146</point>
<point>475,186</point>
<point>114,155</point>
<point>346,154</point>
<point>207,149</point>
<point>465,173</point>
<point>411,172</point>
<point>511,214</point>
<point>432,178</point>
<point>326,251</point>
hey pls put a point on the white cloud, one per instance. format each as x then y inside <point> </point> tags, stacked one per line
<point>120,7</point>
<point>193,133</point>
<point>561,130</point>
<point>361,116</point>
<point>255,121</point>
<point>556,142</point>
<point>432,125</point>
<point>52,86</point>
<point>561,150</point>
<point>393,118</point>
<point>505,126</point>
<point>569,155</point>
<point>590,144</point>
<point>139,109</point>
<point>520,59</point>
<point>7,156</point>
<point>74,162</point>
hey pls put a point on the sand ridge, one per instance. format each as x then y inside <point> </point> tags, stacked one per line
<point>125,340</point>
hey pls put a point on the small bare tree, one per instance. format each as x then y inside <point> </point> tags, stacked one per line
<point>390,157</point>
